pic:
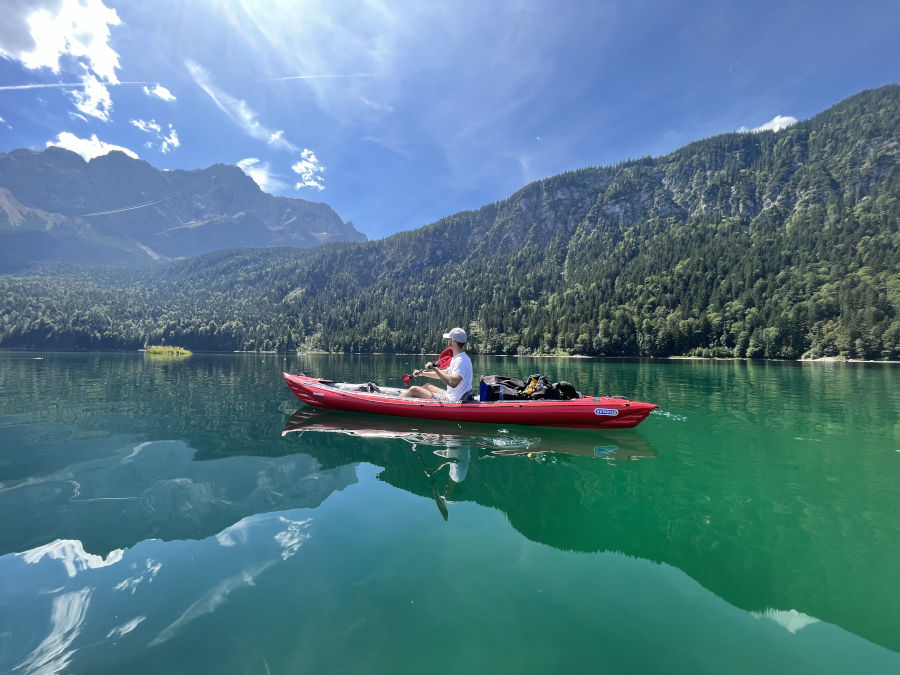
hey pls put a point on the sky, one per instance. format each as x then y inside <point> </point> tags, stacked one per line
<point>399,112</point>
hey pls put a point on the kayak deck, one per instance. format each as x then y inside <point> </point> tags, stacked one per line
<point>590,412</point>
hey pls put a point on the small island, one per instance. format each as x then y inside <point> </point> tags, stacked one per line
<point>168,351</point>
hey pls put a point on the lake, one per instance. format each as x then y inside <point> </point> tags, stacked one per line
<point>178,516</point>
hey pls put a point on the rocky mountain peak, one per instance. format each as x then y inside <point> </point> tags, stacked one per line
<point>125,210</point>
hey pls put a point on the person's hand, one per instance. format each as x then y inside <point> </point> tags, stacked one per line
<point>429,366</point>
<point>416,373</point>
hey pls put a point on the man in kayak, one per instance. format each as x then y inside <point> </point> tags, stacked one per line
<point>457,376</point>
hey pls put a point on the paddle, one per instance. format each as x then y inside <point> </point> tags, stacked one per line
<point>445,357</point>
<point>438,499</point>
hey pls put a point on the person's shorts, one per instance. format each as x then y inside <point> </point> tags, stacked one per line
<point>443,397</point>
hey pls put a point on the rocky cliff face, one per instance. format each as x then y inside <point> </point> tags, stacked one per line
<point>116,209</point>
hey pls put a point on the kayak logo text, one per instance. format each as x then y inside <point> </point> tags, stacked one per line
<point>612,412</point>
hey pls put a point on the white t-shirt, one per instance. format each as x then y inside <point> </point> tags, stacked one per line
<point>460,365</point>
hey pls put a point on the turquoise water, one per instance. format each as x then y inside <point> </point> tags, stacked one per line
<point>160,517</point>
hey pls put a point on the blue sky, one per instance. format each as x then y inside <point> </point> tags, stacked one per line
<point>397,113</point>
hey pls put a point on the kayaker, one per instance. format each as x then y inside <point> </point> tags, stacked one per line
<point>457,376</point>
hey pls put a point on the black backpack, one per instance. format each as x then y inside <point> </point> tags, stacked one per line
<point>539,387</point>
<point>567,390</point>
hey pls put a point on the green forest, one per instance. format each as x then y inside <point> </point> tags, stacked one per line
<point>778,245</point>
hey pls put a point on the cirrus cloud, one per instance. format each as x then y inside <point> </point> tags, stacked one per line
<point>237,110</point>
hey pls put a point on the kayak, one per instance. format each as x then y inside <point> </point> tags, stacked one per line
<point>589,412</point>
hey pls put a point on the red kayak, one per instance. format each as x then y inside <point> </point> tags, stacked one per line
<point>589,412</point>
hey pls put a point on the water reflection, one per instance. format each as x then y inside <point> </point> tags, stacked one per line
<point>156,491</point>
<point>498,440</point>
<point>788,515</point>
<point>54,653</point>
<point>579,491</point>
<point>453,443</point>
<point>91,614</point>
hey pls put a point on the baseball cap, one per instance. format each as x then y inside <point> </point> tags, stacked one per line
<point>457,334</point>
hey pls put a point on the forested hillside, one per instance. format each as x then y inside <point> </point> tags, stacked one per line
<point>776,245</point>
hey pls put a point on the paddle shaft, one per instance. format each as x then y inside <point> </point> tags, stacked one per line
<point>442,360</point>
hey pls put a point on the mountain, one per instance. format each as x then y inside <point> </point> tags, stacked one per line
<point>774,244</point>
<point>55,206</point>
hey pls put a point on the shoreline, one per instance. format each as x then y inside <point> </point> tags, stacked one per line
<point>823,359</point>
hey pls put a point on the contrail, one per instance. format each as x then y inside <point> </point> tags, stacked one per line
<point>58,85</point>
<point>318,77</point>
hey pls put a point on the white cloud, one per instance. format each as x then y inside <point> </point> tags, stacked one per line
<point>237,110</point>
<point>309,170</point>
<point>53,654</point>
<point>170,141</point>
<point>47,33</point>
<point>72,555</point>
<point>211,600</point>
<point>225,539</point>
<point>262,175</point>
<point>93,99</point>
<point>790,620</point>
<point>126,627</point>
<point>257,170</point>
<point>160,92</point>
<point>87,147</point>
<point>40,33</point>
<point>777,123</point>
<point>292,538</point>
<point>148,574</point>
<point>147,127</point>
<point>166,142</point>
<point>261,172</point>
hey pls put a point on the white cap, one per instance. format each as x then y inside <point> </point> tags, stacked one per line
<point>457,334</point>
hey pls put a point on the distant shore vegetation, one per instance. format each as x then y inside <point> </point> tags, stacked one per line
<point>168,351</point>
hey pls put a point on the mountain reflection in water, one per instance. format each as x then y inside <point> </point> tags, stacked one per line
<point>159,491</point>
<point>558,490</point>
<point>169,491</point>
<point>457,441</point>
